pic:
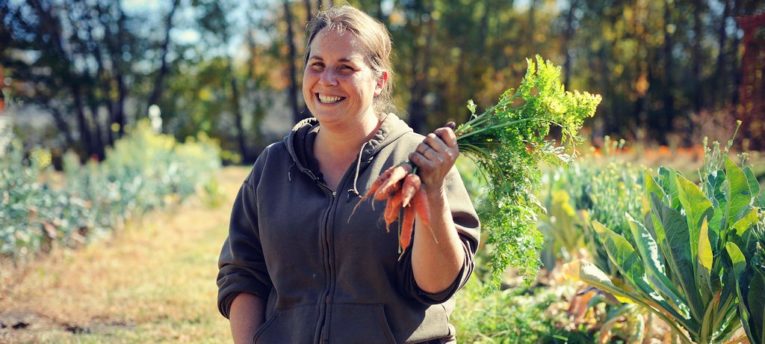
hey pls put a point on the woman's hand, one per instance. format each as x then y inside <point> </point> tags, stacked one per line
<point>435,156</point>
<point>436,263</point>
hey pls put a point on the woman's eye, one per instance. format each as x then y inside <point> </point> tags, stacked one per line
<point>317,66</point>
<point>346,69</point>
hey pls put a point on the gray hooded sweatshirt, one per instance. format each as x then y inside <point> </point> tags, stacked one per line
<point>327,276</point>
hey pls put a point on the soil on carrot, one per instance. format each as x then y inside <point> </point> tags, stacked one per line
<point>153,281</point>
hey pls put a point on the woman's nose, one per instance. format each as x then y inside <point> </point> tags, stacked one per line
<point>328,77</point>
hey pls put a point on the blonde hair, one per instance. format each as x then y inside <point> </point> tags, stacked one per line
<point>369,31</point>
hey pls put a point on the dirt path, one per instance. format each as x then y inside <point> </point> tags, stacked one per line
<point>152,282</point>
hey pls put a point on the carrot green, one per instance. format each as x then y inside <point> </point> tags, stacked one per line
<point>508,142</point>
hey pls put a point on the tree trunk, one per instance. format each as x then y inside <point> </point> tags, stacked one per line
<point>416,108</point>
<point>115,47</point>
<point>664,124</point>
<point>568,35</point>
<point>292,54</point>
<point>696,56</point>
<point>157,91</point>
<point>721,79</point>
<point>240,133</point>
<point>82,122</point>
<point>101,81</point>
<point>737,77</point>
<point>61,124</point>
<point>52,25</point>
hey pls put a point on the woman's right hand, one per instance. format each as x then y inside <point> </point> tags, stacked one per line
<point>435,157</point>
<point>245,316</point>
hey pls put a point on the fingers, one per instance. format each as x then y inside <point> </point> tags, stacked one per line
<point>432,147</point>
<point>422,155</point>
<point>447,135</point>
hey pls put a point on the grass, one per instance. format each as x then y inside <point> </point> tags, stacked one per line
<point>152,282</point>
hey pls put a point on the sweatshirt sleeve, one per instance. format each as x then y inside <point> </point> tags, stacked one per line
<point>242,268</point>
<point>468,227</point>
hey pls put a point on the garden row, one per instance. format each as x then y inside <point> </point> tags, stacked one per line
<point>653,244</point>
<point>143,171</point>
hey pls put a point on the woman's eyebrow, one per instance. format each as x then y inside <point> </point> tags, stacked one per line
<point>344,59</point>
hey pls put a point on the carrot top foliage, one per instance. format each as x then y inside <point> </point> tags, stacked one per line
<point>507,142</point>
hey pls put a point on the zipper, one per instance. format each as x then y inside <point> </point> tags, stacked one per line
<point>321,334</point>
<point>321,331</point>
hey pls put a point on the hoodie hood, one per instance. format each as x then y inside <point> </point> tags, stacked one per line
<point>391,129</point>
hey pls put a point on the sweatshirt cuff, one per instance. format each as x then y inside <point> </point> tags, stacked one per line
<point>229,287</point>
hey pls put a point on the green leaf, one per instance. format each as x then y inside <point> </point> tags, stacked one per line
<point>707,324</point>
<point>623,255</point>
<point>754,185</point>
<point>592,275</point>
<point>737,191</point>
<point>737,258</point>
<point>756,305</point>
<point>651,187</point>
<point>665,181</point>
<point>653,190</point>
<point>696,205</point>
<point>745,222</point>
<point>649,251</point>
<point>706,255</point>
<point>679,253</point>
<point>704,261</point>
<point>739,268</point>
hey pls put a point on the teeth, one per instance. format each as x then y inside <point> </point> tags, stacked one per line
<point>329,99</point>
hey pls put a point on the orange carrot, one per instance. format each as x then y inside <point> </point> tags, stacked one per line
<point>391,210</point>
<point>420,204</point>
<point>422,208</point>
<point>407,227</point>
<point>410,186</point>
<point>381,179</point>
<point>392,184</point>
<point>384,177</point>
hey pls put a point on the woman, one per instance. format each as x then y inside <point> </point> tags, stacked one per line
<point>296,266</point>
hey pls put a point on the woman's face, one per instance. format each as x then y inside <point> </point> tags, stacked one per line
<point>338,85</point>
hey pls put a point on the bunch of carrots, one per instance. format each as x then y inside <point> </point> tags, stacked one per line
<point>400,187</point>
<point>507,142</point>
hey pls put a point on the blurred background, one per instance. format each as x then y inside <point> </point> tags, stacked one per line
<point>76,73</point>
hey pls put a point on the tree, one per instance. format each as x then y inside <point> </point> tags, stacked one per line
<point>163,67</point>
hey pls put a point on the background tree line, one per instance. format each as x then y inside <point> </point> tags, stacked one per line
<point>231,69</point>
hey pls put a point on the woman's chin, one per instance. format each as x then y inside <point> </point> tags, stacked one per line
<point>327,117</point>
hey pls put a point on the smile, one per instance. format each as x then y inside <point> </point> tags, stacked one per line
<point>329,99</point>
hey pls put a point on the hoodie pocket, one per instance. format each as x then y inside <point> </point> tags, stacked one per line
<point>292,325</point>
<point>359,323</point>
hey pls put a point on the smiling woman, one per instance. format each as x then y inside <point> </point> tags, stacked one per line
<point>296,266</point>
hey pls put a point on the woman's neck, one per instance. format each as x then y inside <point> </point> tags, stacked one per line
<point>341,142</point>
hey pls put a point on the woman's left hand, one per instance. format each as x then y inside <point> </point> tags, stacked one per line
<point>434,157</point>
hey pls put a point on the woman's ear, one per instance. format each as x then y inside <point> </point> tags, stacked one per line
<point>382,80</point>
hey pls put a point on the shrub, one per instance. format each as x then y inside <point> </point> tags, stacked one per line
<point>143,171</point>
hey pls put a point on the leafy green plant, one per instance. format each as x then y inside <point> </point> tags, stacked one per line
<point>561,227</point>
<point>508,142</point>
<point>675,263</point>
<point>749,268</point>
<point>600,190</point>
<point>502,316</point>
<point>143,171</point>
